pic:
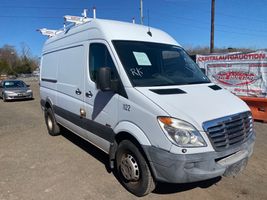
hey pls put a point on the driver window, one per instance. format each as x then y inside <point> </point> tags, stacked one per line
<point>99,56</point>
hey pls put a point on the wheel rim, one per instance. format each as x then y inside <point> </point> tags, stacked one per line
<point>129,168</point>
<point>49,123</point>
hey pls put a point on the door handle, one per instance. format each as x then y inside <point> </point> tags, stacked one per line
<point>78,91</point>
<point>89,94</point>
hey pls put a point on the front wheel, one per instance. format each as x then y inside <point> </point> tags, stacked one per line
<point>52,126</point>
<point>133,170</point>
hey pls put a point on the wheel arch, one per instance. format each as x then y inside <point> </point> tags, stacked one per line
<point>47,103</point>
<point>128,130</point>
<point>127,136</point>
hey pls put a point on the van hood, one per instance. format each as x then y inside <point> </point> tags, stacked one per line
<point>195,103</point>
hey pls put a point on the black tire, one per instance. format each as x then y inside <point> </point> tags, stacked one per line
<point>133,170</point>
<point>51,124</point>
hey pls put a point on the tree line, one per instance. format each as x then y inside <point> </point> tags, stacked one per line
<point>14,63</point>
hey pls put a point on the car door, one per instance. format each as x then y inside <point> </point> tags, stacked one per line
<point>101,107</point>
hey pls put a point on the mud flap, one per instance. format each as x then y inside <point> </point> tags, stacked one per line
<point>112,154</point>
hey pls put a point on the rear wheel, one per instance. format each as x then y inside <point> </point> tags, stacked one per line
<point>52,126</point>
<point>133,170</point>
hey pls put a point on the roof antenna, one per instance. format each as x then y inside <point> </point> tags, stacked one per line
<point>148,32</point>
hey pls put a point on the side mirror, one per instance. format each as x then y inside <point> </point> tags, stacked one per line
<point>28,85</point>
<point>103,79</point>
<point>203,70</point>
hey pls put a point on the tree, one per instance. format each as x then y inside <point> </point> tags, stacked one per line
<point>4,69</point>
<point>12,63</point>
<point>8,56</point>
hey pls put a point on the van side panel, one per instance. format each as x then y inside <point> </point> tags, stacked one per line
<point>71,71</point>
<point>70,84</point>
<point>49,69</point>
<point>48,77</point>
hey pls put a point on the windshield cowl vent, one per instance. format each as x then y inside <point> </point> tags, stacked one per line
<point>215,87</point>
<point>168,91</point>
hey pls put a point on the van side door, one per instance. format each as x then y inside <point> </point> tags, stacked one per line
<point>70,86</point>
<point>101,107</point>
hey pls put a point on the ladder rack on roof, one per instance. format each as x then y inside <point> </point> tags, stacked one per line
<point>48,32</point>
<point>75,20</point>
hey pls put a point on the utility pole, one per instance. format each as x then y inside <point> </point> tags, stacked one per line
<point>141,12</point>
<point>212,26</point>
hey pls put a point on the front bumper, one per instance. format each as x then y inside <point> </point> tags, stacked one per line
<point>15,96</point>
<point>182,168</point>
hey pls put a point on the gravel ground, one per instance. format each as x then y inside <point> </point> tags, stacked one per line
<point>34,165</point>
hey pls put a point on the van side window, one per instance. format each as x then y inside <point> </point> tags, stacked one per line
<point>99,56</point>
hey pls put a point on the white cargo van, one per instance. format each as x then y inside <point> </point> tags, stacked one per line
<point>136,94</point>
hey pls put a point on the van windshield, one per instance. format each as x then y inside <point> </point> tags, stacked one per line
<point>152,64</point>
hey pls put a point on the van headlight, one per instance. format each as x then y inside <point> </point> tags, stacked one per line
<point>181,133</point>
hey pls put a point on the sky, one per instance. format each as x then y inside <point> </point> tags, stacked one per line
<point>238,23</point>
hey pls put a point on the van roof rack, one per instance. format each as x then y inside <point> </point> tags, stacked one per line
<point>73,20</point>
<point>48,32</point>
<point>76,19</point>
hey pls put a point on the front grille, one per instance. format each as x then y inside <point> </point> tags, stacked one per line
<point>230,131</point>
<point>20,97</point>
